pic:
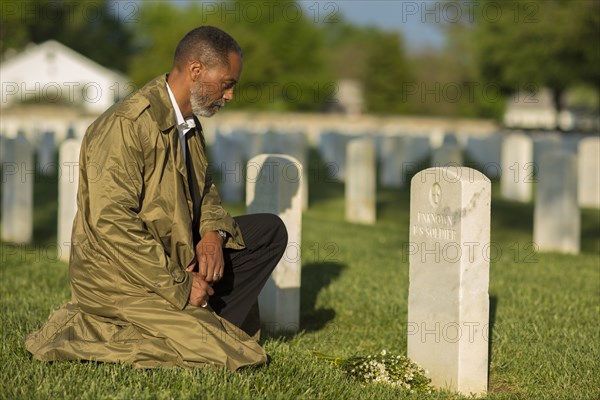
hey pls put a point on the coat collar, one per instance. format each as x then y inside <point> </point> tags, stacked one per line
<point>157,94</point>
<point>160,103</point>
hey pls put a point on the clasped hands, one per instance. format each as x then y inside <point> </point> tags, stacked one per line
<point>210,266</point>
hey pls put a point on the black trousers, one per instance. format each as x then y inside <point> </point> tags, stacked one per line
<point>247,270</point>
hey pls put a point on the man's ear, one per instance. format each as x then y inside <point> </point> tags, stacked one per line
<point>195,69</point>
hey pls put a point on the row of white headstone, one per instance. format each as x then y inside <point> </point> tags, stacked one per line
<point>514,157</point>
<point>443,292</point>
<point>522,164</point>
<point>18,173</point>
<point>448,303</point>
<point>231,151</point>
<point>565,180</point>
<point>274,185</point>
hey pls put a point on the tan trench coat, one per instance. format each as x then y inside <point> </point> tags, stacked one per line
<point>132,240</point>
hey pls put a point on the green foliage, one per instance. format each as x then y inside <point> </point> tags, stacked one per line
<point>96,28</point>
<point>161,27</point>
<point>295,53</point>
<point>386,73</point>
<point>284,57</point>
<point>552,43</point>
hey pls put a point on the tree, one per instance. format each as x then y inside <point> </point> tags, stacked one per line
<point>551,43</point>
<point>386,74</point>
<point>94,28</point>
<point>284,54</point>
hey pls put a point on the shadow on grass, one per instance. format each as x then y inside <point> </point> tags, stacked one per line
<point>315,278</point>
<point>511,215</point>
<point>590,231</point>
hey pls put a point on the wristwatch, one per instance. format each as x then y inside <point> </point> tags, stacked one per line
<point>223,235</point>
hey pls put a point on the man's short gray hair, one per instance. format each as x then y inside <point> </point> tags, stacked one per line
<point>207,44</point>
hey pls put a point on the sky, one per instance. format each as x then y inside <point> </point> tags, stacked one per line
<point>415,19</point>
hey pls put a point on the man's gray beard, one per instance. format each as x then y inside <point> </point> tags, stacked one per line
<point>197,101</point>
<point>197,108</point>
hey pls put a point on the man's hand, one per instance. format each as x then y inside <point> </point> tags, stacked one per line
<point>201,289</point>
<point>209,252</point>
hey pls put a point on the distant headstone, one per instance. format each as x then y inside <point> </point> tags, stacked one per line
<point>589,172</point>
<point>518,169</point>
<point>228,160</point>
<point>570,142</point>
<point>448,303</point>
<point>450,139</point>
<point>545,142</point>
<point>274,186</point>
<point>46,150</point>
<point>67,193</point>
<point>71,133</point>
<point>399,156</point>
<point>3,145</point>
<point>251,142</point>
<point>18,174</point>
<point>485,151</point>
<point>557,220</point>
<point>447,155</point>
<point>360,181</point>
<point>332,146</point>
<point>292,144</point>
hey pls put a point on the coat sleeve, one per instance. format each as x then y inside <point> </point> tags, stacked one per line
<point>214,217</point>
<point>115,199</point>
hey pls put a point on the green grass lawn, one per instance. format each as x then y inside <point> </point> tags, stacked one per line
<point>544,313</point>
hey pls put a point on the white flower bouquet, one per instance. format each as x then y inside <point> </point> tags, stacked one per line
<point>394,370</point>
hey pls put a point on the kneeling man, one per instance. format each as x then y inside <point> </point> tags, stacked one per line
<point>161,274</point>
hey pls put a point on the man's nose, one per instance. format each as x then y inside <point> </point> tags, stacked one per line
<point>228,95</point>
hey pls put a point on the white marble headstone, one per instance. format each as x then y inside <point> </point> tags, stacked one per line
<point>485,151</point>
<point>228,159</point>
<point>18,175</point>
<point>448,303</point>
<point>274,183</point>
<point>589,172</point>
<point>293,144</point>
<point>392,161</point>
<point>360,181</point>
<point>544,142</point>
<point>3,141</point>
<point>518,169</point>
<point>557,220</point>
<point>447,155</point>
<point>400,156</point>
<point>332,146</point>
<point>68,181</point>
